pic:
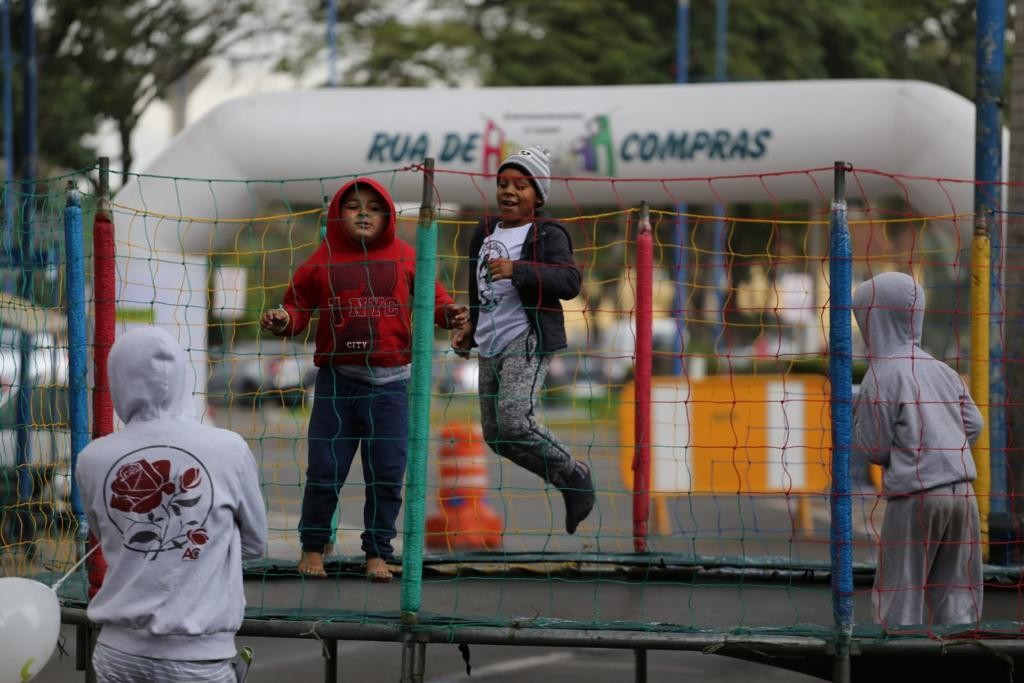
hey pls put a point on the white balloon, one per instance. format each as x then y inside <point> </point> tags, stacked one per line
<point>29,628</point>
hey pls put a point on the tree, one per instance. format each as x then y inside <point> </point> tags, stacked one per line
<point>112,60</point>
<point>538,42</point>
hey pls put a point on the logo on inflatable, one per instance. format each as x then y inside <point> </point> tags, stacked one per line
<point>588,145</point>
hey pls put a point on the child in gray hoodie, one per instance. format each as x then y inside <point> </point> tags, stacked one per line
<point>915,418</point>
<point>176,506</point>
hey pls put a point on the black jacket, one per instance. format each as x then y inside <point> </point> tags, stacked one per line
<point>545,274</point>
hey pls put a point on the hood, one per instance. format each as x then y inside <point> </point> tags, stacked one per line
<point>890,313</point>
<point>148,371</point>
<point>336,235</point>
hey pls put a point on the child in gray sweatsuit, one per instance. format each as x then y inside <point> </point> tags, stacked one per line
<point>176,506</point>
<point>915,418</point>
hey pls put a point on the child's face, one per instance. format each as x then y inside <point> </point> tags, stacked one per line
<point>517,197</point>
<point>364,214</point>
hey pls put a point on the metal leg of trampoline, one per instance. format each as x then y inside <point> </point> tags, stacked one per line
<point>408,654</point>
<point>330,651</point>
<point>91,634</point>
<point>414,659</point>
<point>640,659</point>
<point>81,647</point>
<point>420,665</point>
<point>841,668</point>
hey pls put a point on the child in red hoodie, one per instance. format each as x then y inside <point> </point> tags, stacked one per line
<point>360,279</point>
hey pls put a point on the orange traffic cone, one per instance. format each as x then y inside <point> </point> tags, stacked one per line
<point>464,521</point>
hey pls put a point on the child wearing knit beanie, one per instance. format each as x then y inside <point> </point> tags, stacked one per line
<point>521,268</point>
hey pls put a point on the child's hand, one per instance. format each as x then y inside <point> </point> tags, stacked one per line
<point>457,316</point>
<point>499,268</point>
<point>274,320</point>
<point>461,342</point>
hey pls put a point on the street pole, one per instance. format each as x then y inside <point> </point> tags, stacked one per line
<point>681,228</point>
<point>719,271</point>
<point>8,70</point>
<point>332,43</point>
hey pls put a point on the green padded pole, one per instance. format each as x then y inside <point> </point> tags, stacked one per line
<point>419,400</point>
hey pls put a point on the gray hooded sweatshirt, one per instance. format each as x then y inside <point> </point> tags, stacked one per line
<point>176,506</point>
<point>913,415</point>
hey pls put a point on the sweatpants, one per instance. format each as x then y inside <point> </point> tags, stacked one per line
<point>929,561</point>
<point>114,666</point>
<point>510,385</point>
<point>349,415</point>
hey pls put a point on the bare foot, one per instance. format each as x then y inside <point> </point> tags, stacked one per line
<point>377,570</point>
<point>312,564</point>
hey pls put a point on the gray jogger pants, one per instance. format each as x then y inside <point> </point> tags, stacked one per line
<point>929,560</point>
<point>510,385</point>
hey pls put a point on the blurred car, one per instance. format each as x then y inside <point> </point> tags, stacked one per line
<point>264,371</point>
<point>616,348</point>
<point>45,474</point>
<point>454,375</point>
<point>576,372</point>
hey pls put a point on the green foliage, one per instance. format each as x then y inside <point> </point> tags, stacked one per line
<point>108,61</point>
<point>538,42</point>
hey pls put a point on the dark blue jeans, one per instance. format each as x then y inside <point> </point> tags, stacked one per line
<point>349,415</point>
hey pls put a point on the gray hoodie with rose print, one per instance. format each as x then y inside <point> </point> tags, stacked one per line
<point>176,506</point>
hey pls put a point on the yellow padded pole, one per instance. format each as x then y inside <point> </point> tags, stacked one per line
<point>980,283</point>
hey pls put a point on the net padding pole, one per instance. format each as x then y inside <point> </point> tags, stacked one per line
<point>78,371</point>
<point>981,273</point>
<point>990,33</point>
<point>644,351</point>
<point>104,293</point>
<point>419,401</point>
<point>841,379</point>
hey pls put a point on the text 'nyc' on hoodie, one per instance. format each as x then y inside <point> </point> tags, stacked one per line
<point>913,415</point>
<point>363,293</point>
<point>176,505</point>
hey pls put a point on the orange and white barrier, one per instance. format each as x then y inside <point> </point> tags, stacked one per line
<point>736,434</point>
<point>464,520</point>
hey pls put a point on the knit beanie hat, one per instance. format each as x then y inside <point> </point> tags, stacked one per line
<point>536,163</point>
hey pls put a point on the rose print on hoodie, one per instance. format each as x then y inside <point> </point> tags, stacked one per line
<point>159,499</point>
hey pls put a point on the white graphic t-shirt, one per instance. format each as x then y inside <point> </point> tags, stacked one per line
<point>502,317</point>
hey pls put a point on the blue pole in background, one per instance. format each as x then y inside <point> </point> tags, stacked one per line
<point>8,70</point>
<point>332,43</point>
<point>720,277</point>
<point>29,144</point>
<point>840,360</point>
<point>28,173</point>
<point>988,147</point>
<point>721,40</point>
<point>681,235</point>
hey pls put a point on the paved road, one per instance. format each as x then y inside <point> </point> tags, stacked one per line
<point>734,525</point>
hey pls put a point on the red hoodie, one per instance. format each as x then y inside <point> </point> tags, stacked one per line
<point>363,293</point>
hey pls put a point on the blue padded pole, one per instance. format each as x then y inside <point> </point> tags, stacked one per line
<point>988,148</point>
<point>78,357</point>
<point>841,379</point>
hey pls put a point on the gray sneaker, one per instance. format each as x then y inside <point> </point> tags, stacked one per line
<point>579,496</point>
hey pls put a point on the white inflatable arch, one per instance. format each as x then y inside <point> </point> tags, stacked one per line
<point>630,133</point>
